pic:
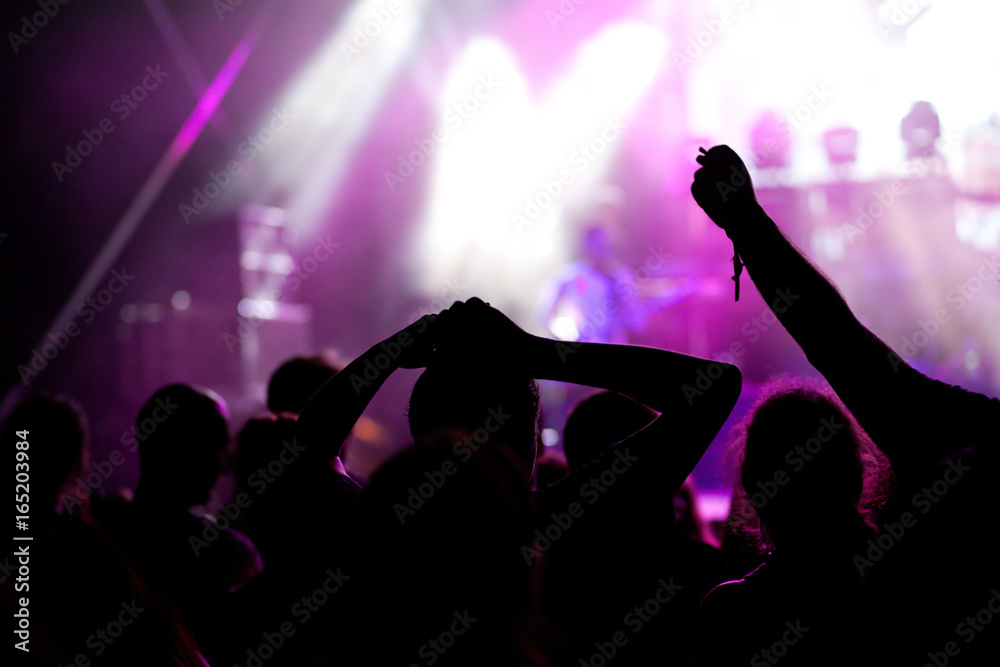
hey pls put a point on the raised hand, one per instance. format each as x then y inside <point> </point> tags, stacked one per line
<point>416,343</point>
<point>722,187</point>
<point>475,331</point>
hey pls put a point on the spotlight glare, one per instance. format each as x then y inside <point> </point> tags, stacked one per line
<point>181,300</point>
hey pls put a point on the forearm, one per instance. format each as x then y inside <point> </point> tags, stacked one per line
<point>333,411</point>
<point>654,377</point>
<point>694,397</point>
<point>806,302</point>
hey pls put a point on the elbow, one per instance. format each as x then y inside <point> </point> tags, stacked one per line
<point>729,385</point>
<point>715,383</point>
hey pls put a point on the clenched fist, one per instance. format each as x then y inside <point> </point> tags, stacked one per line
<point>722,187</point>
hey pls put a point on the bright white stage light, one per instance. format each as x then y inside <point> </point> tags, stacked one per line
<point>774,52</point>
<point>509,169</point>
<point>333,101</point>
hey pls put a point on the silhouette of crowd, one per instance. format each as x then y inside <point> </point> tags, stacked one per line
<point>860,531</point>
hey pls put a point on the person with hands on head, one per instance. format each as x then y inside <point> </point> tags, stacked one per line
<point>605,535</point>
<point>480,379</point>
<point>482,343</point>
<point>941,562</point>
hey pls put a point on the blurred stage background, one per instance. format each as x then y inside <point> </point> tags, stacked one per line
<point>377,160</point>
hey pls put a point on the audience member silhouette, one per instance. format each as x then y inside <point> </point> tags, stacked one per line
<point>803,467</point>
<point>61,446</point>
<point>195,562</point>
<point>436,557</point>
<point>649,541</point>
<point>932,569</point>
<point>295,381</point>
<point>599,421</point>
<point>78,584</point>
<point>295,511</point>
<point>607,417</point>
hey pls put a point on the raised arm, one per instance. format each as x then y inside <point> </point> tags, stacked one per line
<point>804,300</point>
<point>693,396</point>
<point>328,418</point>
<point>882,390</point>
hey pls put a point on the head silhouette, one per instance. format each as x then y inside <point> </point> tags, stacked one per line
<point>490,402</point>
<point>458,553</point>
<point>293,505</point>
<point>599,421</point>
<point>58,438</point>
<point>295,381</point>
<point>803,465</point>
<point>182,435</point>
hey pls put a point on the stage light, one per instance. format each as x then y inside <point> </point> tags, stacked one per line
<point>246,308</point>
<point>180,300</point>
<point>919,130</point>
<point>564,327</point>
<point>333,101</point>
<point>508,174</point>
<point>152,312</point>
<point>841,145</point>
